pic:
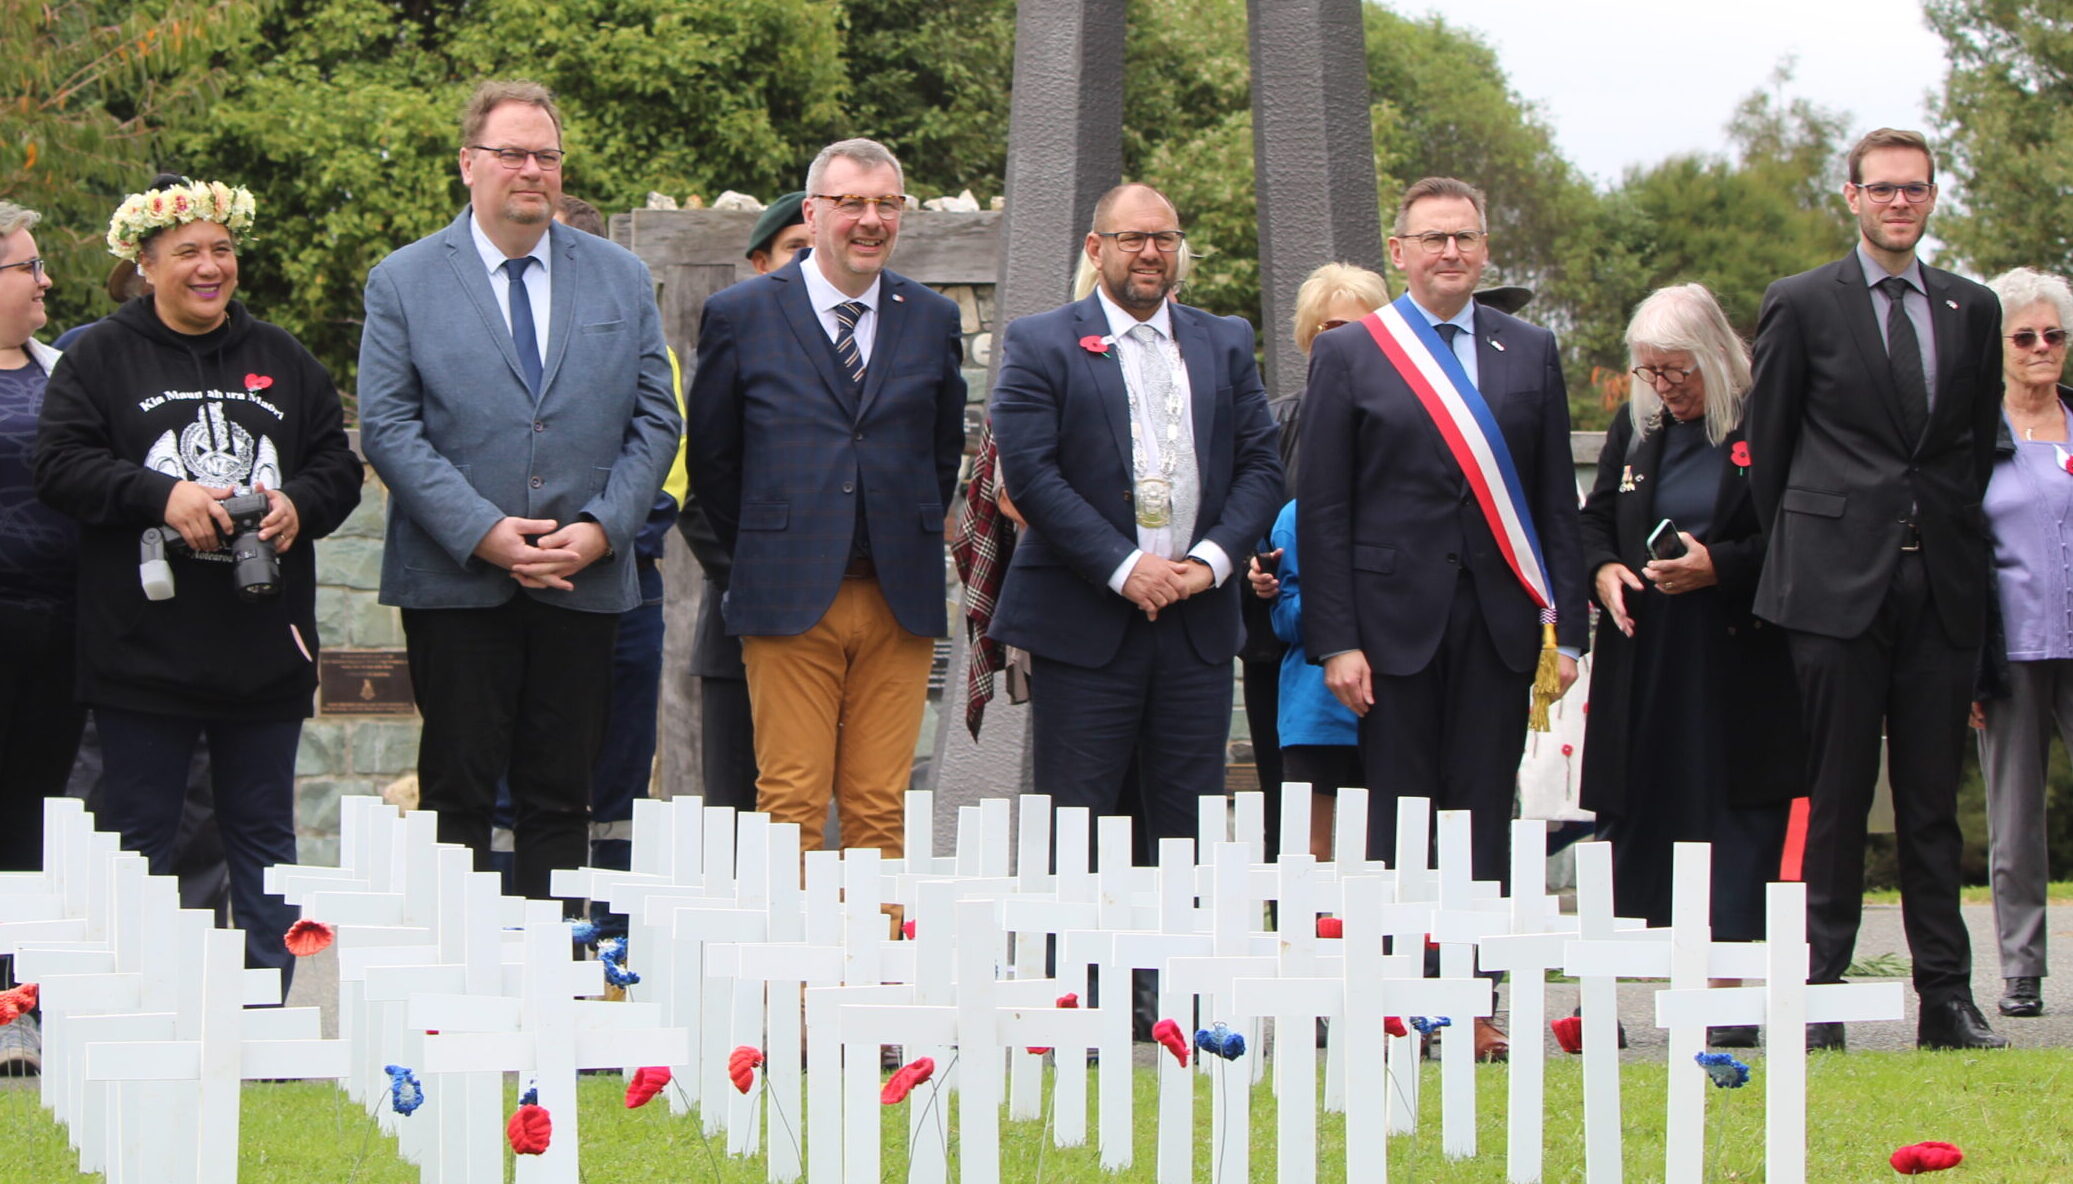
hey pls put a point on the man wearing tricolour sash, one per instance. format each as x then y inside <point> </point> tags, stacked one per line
<point>1437,507</point>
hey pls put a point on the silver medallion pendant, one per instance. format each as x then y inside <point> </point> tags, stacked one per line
<point>1154,497</point>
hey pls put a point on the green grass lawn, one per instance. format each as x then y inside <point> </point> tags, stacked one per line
<point>2006,1110</point>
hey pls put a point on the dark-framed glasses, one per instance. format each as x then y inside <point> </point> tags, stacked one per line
<point>1133,241</point>
<point>35,269</point>
<point>2027,338</point>
<point>1433,242</point>
<point>1880,192</point>
<point>1674,375</point>
<point>852,205</point>
<point>514,158</point>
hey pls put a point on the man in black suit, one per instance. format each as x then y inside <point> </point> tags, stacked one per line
<point>1135,435</point>
<point>1423,628</point>
<point>1871,430</point>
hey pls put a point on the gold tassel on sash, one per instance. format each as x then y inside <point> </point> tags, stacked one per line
<point>1547,680</point>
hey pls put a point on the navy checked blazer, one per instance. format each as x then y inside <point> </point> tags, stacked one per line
<point>780,449</point>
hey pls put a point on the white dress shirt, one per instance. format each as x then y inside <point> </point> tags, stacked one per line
<point>824,296</point>
<point>1159,540</point>
<point>539,289</point>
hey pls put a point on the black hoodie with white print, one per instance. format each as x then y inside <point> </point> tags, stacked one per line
<point>131,410</point>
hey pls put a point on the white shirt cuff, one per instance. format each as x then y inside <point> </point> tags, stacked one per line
<point>1214,556</point>
<point>1117,577</point>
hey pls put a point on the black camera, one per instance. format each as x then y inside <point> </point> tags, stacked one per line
<point>255,570</point>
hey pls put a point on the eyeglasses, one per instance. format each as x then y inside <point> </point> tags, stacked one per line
<point>35,269</point>
<point>1130,242</point>
<point>1674,375</point>
<point>514,158</point>
<point>853,205</point>
<point>2027,339</point>
<point>1880,192</point>
<point>1333,323</point>
<point>1436,241</point>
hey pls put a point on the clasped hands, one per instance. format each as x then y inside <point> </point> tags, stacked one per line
<point>545,561</point>
<point>1157,582</point>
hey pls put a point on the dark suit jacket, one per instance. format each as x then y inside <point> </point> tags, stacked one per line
<point>1387,519</point>
<point>780,450</point>
<point>1061,416</point>
<point>1833,478</point>
<point>1751,691</point>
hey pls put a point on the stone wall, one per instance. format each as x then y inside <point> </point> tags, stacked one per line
<point>346,754</point>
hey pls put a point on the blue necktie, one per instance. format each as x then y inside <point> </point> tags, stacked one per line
<point>852,358</point>
<point>523,335</point>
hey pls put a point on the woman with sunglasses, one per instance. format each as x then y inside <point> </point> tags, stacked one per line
<point>2027,671</point>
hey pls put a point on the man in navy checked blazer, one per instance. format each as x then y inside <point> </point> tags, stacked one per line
<point>827,424</point>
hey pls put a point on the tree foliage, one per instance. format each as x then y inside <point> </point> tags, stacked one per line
<point>87,86</point>
<point>2007,114</point>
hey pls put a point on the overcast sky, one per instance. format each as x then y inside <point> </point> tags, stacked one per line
<point>1626,82</point>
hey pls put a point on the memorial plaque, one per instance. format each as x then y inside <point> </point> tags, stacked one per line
<point>364,682</point>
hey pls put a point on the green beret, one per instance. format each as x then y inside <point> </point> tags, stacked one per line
<point>777,215</point>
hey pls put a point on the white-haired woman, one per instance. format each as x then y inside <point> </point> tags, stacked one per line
<point>179,401</point>
<point>2027,675</point>
<point>1694,732</point>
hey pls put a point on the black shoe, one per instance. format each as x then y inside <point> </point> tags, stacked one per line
<point>2023,997</point>
<point>1732,1036</point>
<point>1827,1037</point>
<point>1955,1023</point>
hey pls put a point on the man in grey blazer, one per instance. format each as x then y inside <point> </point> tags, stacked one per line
<point>515,397</point>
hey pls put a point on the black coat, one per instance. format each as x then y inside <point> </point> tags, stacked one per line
<point>1752,694</point>
<point>1833,476</point>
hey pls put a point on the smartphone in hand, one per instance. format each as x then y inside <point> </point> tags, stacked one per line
<point>1269,562</point>
<point>1664,543</point>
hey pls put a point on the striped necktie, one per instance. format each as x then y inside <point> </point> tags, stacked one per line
<point>846,352</point>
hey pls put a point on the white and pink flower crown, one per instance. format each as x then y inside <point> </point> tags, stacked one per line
<point>141,214</point>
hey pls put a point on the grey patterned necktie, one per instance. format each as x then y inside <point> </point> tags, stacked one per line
<point>1176,446</point>
<point>1904,354</point>
<point>846,351</point>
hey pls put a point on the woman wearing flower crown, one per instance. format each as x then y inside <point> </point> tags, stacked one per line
<point>1693,733</point>
<point>153,421</point>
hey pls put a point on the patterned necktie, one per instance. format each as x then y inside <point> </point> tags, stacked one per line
<point>1904,354</point>
<point>846,352</point>
<point>523,336</point>
<point>1176,447</point>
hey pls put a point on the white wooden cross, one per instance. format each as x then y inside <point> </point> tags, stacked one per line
<point>546,1034</point>
<point>1606,949</point>
<point>1785,1004</point>
<point>1533,946</point>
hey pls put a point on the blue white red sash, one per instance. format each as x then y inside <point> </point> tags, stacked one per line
<point>1428,366</point>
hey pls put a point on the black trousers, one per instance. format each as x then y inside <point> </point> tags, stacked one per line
<point>523,686</point>
<point>1262,684</point>
<point>143,797</point>
<point>39,728</point>
<point>1452,732</point>
<point>728,732</point>
<point>1903,672</point>
<point>1156,705</point>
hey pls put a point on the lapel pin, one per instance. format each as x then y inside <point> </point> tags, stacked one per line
<point>1497,345</point>
<point>899,299</point>
<point>1953,304</point>
<point>1627,479</point>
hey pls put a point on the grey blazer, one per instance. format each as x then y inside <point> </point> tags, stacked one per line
<point>448,422</point>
